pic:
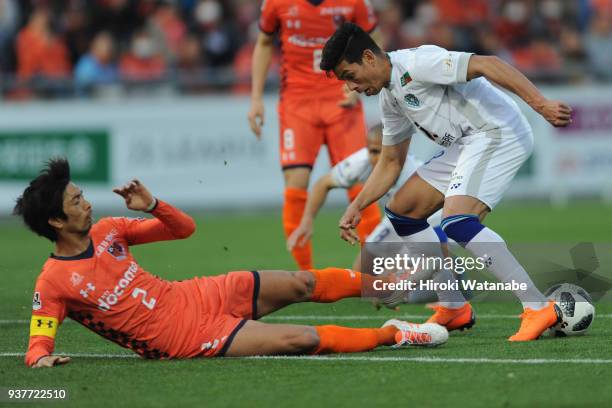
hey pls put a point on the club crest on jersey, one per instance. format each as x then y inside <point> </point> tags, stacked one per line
<point>405,79</point>
<point>117,250</point>
<point>76,279</point>
<point>36,302</point>
<point>412,100</point>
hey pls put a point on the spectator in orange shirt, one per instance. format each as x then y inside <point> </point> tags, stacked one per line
<point>39,51</point>
<point>143,62</point>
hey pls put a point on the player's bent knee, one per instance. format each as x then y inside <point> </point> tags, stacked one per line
<point>303,285</point>
<point>410,208</point>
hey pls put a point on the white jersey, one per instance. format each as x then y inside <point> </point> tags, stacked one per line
<point>357,168</point>
<point>429,91</point>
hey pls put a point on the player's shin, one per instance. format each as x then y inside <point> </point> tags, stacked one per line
<point>293,209</point>
<point>423,241</point>
<point>338,339</point>
<point>486,244</point>
<point>333,284</point>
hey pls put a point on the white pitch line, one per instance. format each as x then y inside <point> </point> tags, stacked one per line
<point>80,355</point>
<point>440,360</point>
<point>345,317</point>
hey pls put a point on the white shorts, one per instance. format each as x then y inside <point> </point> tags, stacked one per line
<point>481,165</point>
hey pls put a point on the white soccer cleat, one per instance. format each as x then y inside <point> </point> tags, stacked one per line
<point>422,335</point>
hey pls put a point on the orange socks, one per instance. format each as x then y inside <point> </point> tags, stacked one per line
<point>332,284</point>
<point>293,208</point>
<point>337,339</point>
<point>370,216</point>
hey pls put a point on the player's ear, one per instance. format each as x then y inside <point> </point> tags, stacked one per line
<point>56,223</point>
<point>368,57</point>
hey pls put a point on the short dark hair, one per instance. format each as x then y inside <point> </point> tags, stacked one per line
<point>44,198</point>
<point>347,43</point>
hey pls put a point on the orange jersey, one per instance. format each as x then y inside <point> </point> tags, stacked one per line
<point>304,28</point>
<point>107,291</point>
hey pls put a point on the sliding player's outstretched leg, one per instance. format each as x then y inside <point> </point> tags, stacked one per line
<point>276,289</point>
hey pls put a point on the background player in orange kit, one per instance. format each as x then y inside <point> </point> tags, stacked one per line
<point>313,108</point>
<point>94,279</point>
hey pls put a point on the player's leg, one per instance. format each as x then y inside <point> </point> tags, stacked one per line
<point>300,141</point>
<point>484,170</point>
<point>278,289</point>
<point>345,133</point>
<point>257,338</point>
<point>419,198</point>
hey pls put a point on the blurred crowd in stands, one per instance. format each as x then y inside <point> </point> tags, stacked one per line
<point>52,48</point>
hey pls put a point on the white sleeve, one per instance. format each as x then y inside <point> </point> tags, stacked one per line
<point>436,65</point>
<point>349,171</point>
<point>396,126</point>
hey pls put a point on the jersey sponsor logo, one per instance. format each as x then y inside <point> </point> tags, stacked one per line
<point>445,140</point>
<point>330,11</point>
<point>76,279</point>
<point>43,326</point>
<point>301,41</point>
<point>405,79</point>
<point>102,246</point>
<point>36,302</point>
<point>293,11</point>
<point>110,298</point>
<point>412,100</point>
<point>117,250</point>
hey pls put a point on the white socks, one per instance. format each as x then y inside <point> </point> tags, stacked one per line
<point>504,266</point>
<point>425,242</point>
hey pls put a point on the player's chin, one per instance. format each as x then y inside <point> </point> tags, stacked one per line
<point>372,91</point>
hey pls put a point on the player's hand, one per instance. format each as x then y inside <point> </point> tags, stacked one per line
<point>556,113</point>
<point>300,236</point>
<point>50,361</point>
<point>256,116</point>
<point>351,98</point>
<point>348,223</point>
<point>137,197</point>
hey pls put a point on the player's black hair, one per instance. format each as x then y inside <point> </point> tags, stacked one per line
<point>348,43</point>
<point>44,198</point>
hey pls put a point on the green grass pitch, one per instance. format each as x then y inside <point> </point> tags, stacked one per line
<point>507,375</point>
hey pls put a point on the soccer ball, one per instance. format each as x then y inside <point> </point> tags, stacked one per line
<point>576,307</point>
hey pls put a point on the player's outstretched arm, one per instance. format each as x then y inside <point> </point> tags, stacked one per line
<point>505,75</point>
<point>383,177</point>
<point>169,223</point>
<point>316,199</point>
<point>262,55</point>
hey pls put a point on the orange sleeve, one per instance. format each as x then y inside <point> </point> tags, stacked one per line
<point>268,20</point>
<point>169,223</point>
<point>364,16</point>
<point>48,312</point>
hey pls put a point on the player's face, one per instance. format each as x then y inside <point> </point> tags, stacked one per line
<point>78,211</point>
<point>366,77</point>
<point>374,149</point>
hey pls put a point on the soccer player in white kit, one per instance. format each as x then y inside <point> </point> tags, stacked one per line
<point>449,97</point>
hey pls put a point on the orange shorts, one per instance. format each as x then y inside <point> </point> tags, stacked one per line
<point>228,301</point>
<point>307,123</point>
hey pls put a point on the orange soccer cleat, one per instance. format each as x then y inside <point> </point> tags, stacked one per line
<point>535,322</point>
<point>460,318</point>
